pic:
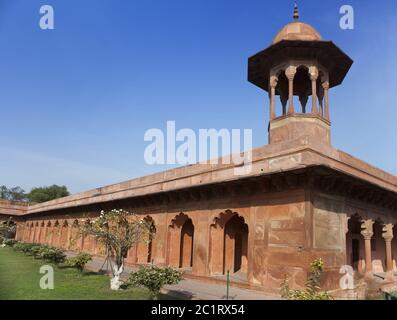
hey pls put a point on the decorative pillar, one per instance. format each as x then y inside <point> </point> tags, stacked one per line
<point>325,85</point>
<point>290,74</point>
<point>388,236</point>
<point>313,72</point>
<point>272,92</point>
<point>367,232</point>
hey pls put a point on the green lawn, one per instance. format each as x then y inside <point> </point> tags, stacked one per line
<point>20,277</point>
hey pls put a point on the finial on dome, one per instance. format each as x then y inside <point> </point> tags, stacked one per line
<point>296,12</point>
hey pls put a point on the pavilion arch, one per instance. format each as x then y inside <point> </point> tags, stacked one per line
<point>181,242</point>
<point>303,71</point>
<point>229,244</point>
<point>145,250</point>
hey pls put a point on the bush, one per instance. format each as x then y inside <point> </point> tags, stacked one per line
<point>35,251</point>
<point>44,252</point>
<point>54,255</point>
<point>79,261</point>
<point>24,247</point>
<point>9,242</point>
<point>154,278</point>
<point>313,288</point>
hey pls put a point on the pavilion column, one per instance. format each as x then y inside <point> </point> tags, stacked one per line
<point>313,72</point>
<point>290,74</point>
<point>325,85</point>
<point>367,232</point>
<point>388,237</point>
<point>272,93</point>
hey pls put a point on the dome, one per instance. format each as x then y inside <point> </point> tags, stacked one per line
<point>297,31</point>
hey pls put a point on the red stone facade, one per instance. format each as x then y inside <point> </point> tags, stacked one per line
<point>302,200</point>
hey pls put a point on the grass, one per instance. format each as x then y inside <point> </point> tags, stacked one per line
<point>20,278</point>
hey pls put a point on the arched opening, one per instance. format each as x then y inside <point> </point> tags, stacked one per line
<point>75,236</point>
<point>282,91</point>
<point>26,231</point>
<point>36,232</point>
<point>378,247</point>
<point>64,243</point>
<point>31,233</point>
<point>181,242</point>
<point>235,245</point>
<point>355,244</point>
<point>42,232</point>
<point>48,233</point>
<point>56,232</point>
<point>152,234</point>
<point>229,236</point>
<point>187,236</point>
<point>302,86</point>
<point>145,248</point>
<point>88,241</point>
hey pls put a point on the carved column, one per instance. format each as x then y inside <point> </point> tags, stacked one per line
<point>388,236</point>
<point>367,232</point>
<point>313,72</point>
<point>326,101</point>
<point>290,74</point>
<point>272,93</point>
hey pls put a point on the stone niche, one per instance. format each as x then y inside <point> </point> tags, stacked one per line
<point>295,126</point>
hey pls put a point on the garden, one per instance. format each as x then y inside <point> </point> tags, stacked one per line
<point>21,273</point>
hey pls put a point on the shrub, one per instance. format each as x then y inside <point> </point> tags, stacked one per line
<point>9,242</point>
<point>24,247</point>
<point>313,288</point>
<point>154,278</point>
<point>35,251</point>
<point>54,255</point>
<point>79,261</point>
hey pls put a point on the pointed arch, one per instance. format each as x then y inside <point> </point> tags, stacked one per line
<point>181,242</point>
<point>229,244</point>
<point>145,249</point>
<point>64,235</point>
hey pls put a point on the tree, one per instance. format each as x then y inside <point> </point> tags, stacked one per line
<point>7,230</point>
<point>44,194</point>
<point>4,193</point>
<point>119,231</point>
<point>12,194</point>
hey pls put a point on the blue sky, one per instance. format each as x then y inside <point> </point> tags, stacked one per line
<point>76,101</point>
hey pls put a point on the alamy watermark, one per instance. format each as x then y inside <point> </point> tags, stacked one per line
<point>47,20</point>
<point>346,22</point>
<point>186,147</point>
<point>47,280</point>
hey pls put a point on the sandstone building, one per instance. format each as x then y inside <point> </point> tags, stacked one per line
<point>302,200</point>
